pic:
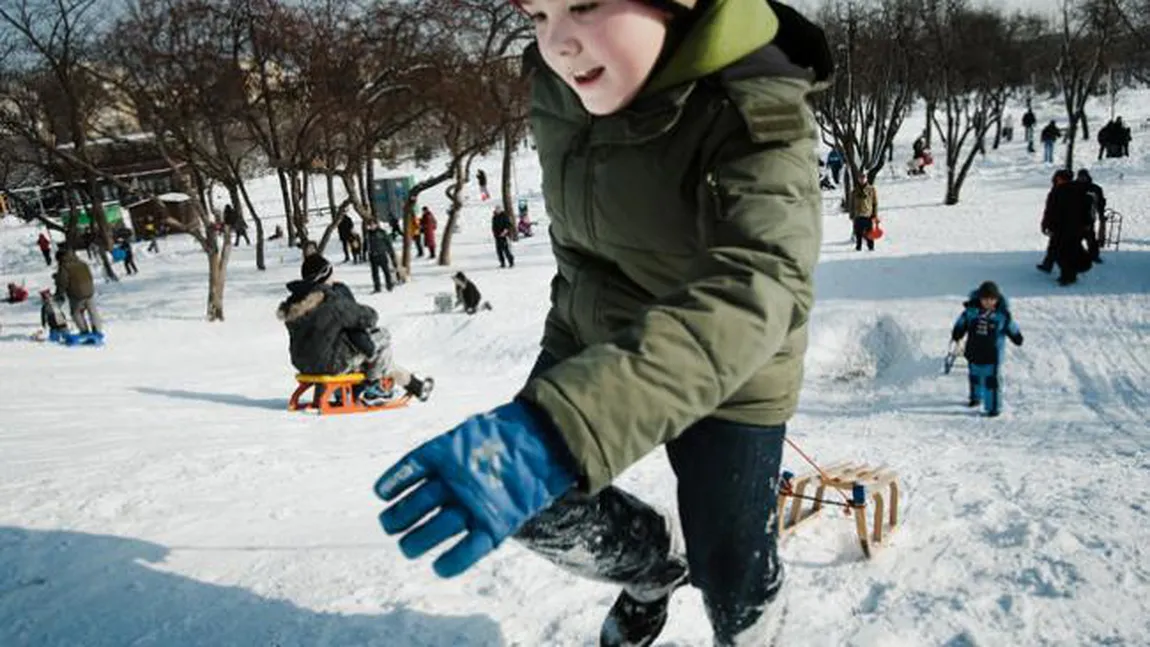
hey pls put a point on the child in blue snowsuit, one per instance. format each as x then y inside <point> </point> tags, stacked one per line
<point>986,322</point>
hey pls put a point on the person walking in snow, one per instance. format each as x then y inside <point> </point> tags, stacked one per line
<point>674,321</point>
<point>835,163</point>
<point>428,225</point>
<point>501,232</point>
<point>380,254</point>
<point>331,334</point>
<point>129,257</point>
<point>1028,123</point>
<point>1050,136</point>
<point>1097,214</point>
<point>413,232</point>
<point>865,213</point>
<point>45,245</point>
<point>986,322</point>
<point>345,228</point>
<point>481,178</point>
<point>1064,222</point>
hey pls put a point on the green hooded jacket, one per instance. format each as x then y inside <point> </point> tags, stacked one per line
<point>686,228</point>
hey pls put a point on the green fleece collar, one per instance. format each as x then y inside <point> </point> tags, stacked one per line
<point>727,31</point>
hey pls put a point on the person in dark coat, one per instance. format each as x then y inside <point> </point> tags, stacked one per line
<point>501,231</point>
<point>346,228</point>
<point>1049,136</point>
<point>380,254</point>
<point>331,334</point>
<point>481,178</point>
<point>467,294</point>
<point>1097,214</point>
<point>1065,220</point>
<point>129,258</point>
<point>1028,123</point>
<point>234,221</point>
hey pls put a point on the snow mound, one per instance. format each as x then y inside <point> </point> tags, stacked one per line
<point>879,349</point>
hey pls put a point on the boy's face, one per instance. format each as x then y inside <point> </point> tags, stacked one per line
<point>988,303</point>
<point>603,49</point>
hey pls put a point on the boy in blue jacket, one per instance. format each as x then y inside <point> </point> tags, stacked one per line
<point>986,322</point>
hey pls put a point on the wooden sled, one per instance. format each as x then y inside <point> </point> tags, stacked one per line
<point>334,394</point>
<point>862,485</point>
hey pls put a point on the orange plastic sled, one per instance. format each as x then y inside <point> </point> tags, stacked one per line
<point>332,394</point>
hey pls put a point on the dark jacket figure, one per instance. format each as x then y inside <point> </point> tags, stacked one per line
<point>236,223</point>
<point>129,258</point>
<point>467,295</point>
<point>380,254</point>
<point>1097,214</point>
<point>74,280</point>
<point>345,228</point>
<point>986,322</point>
<point>1065,220</point>
<point>501,231</point>
<point>332,334</point>
<point>1050,135</point>
<point>481,178</point>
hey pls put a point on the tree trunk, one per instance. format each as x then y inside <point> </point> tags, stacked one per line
<point>952,187</point>
<point>369,186</point>
<point>1070,138</point>
<point>509,140</point>
<point>260,264</point>
<point>455,206</point>
<point>929,120</point>
<point>217,279</point>
<point>285,193</point>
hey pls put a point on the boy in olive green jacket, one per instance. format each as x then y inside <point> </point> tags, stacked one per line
<point>679,172</point>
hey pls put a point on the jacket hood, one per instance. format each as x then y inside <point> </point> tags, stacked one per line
<point>301,302</point>
<point>725,32</point>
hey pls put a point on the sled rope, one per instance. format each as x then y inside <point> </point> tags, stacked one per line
<point>847,503</point>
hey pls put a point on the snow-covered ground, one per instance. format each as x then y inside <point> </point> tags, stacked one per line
<point>156,492</point>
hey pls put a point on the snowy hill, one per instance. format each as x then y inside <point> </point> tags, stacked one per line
<point>156,492</point>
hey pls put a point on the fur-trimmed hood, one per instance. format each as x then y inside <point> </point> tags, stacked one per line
<point>300,304</point>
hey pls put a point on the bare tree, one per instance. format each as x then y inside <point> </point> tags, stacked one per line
<point>50,99</point>
<point>873,88</point>
<point>1086,34</point>
<point>965,46</point>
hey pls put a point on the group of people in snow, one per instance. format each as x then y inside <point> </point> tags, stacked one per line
<point>1074,222</point>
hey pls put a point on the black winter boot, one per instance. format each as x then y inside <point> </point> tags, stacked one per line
<point>637,623</point>
<point>420,388</point>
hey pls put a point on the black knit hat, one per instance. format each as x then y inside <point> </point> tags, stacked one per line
<point>315,269</point>
<point>989,289</point>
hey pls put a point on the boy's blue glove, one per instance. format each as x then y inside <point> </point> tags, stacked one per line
<point>486,477</point>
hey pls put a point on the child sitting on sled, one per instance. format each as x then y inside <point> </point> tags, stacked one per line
<point>331,334</point>
<point>52,318</point>
<point>986,322</point>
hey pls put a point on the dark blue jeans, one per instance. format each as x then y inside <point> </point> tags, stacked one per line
<point>727,477</point>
